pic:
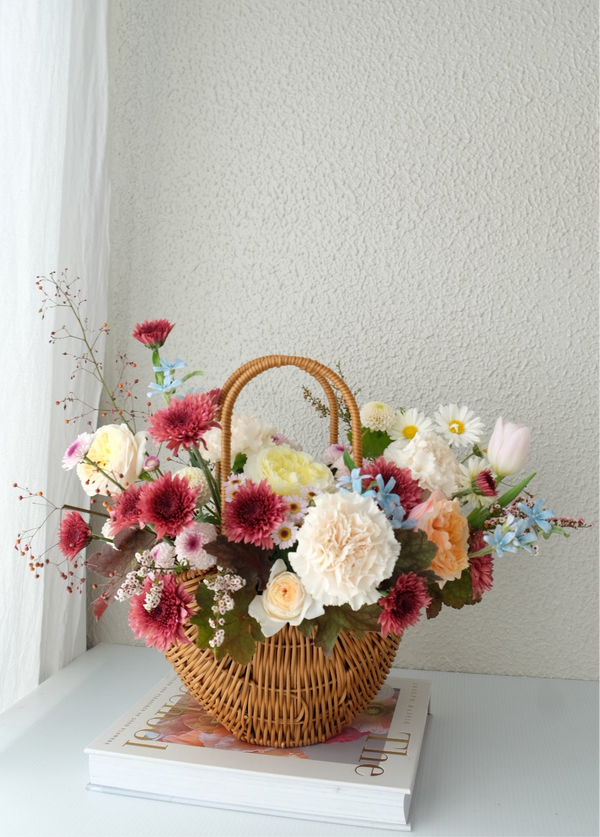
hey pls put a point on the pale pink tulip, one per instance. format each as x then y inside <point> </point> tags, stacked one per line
<point>508,447</point>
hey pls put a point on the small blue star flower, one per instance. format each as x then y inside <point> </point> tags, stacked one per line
<point>397,519</point>
<point>523,537</point>
<point>355,480</point>
<point>501,541</point>
<point>536,516</point>
<point>167,367</point>
<point>168,386</point>
<point>385,496</point>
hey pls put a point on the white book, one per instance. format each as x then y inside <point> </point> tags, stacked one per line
<point>167,747</point>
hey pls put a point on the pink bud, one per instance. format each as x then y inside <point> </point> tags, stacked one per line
<point>508,447</point>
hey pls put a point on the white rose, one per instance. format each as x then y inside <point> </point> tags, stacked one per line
<point>119,454</point>
<point>248,435</point>
<point>285,601</point>
<point>346,548</point>
<point>430,460</point>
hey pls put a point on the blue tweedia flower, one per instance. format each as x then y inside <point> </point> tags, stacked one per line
<point>501,541</point>
<point>168,386</point>
<point>355,480</point>
<point>167,367</point>
<point>523,537</point>
<point>385,496</point>
<point>397,519</point>
<point>537,516</point>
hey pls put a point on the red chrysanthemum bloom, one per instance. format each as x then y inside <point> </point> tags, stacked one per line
<point>402,607</point>
<point>162,626</point>
<point>185,421</point>
<point>168,504</point>
<point>126,509</point>
<point>152,333</point>
<point>485,484</point>
<point>254,513</point>
<point>74,535</point>
<point>406,488</point>
<point>481,567</point>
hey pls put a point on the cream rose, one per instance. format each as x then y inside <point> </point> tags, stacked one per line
<point>288,470</point>
<point>119,453</point>
<point>285,601</point>
<point>346,548</point>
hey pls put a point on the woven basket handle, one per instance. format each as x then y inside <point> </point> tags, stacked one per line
<point>236,382</point>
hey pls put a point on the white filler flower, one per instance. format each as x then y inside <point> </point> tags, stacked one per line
<point>345,549</point>
<point>377,416</point>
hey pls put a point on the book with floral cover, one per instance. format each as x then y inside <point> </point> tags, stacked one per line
<point>168,747</point>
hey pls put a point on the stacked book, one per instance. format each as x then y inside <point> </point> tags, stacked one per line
<point>167,747</point>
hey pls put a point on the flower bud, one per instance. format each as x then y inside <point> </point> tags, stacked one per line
<point>508,447</point>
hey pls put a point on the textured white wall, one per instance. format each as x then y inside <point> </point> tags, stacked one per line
<point>408,187</point>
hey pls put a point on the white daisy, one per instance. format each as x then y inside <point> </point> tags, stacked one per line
<point>468,472</point>
<point>407,424</point>
<point>286,535</point>
<point>459,425</point>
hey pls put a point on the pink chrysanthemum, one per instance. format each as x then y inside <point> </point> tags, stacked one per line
<point>402,607</point>
<point>335,453</point>
<point>168,504</point>
<point>126,509</point>
<point>481,567</point>
<point>74,535</point>
<point>282,439</point>
<point>162,626</point>
<point>152,333</point>
<point>185,421</point>
<point>191,542</point>
<point>77,450</point>
<point>254,513</point>
<point>406,488</point>
<point>485,484</point>
<point>151,463</point>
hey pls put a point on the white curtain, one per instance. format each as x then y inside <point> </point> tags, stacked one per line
<point>54,203</point>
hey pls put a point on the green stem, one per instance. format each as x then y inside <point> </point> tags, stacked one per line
<point>198,461</point>
<point>85,511</point>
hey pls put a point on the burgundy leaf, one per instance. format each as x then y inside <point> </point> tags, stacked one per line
<point>249,561</point>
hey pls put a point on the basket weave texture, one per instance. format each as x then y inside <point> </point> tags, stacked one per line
<point>290,694</point>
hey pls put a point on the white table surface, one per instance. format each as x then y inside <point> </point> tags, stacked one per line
<point>502,756</point>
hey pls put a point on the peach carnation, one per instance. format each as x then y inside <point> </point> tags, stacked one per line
<point>446,527</point>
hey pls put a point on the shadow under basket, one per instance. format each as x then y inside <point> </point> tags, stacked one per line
<point>290,694</point>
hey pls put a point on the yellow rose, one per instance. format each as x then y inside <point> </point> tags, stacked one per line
<point>118,453</point>
<point>288,470</point>
<point>284,601</point>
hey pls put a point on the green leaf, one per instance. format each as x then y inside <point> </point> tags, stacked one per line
<point>348,461</point>
<point>478,516</point>
<point>338,619</point>
<point>192,374</point>
<point>241,630</point>
<point>458,593</point>
<point>307,627</point>
<point>238,463</point>
<point>436,601</point>
<point>251,562</point>
<point>416,550</point>
<point>374,442</point>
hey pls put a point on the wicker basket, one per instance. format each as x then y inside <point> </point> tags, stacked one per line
<point>290,694</point>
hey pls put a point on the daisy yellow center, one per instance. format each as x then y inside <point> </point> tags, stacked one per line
<point>410,431</point>
<point>294,508</point>
<point>285,534</point>
<point>456,426</point>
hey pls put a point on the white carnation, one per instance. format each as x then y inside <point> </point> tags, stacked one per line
<point>197,479</point>
<point>345,549</point>
<point>377,416</point>
<point>248,435</point>
<point>431,462</point>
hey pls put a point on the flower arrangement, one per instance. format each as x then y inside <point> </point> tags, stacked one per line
<point>324,544</point>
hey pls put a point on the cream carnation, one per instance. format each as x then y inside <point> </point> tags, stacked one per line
<point>118,453</point>
<point>287,470</point>
<point>248,435</point>
<point>431,462</point>
<point>377,416</point>
<point>285,601</point>
<point>197,479</point>
<point>345,549</point>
